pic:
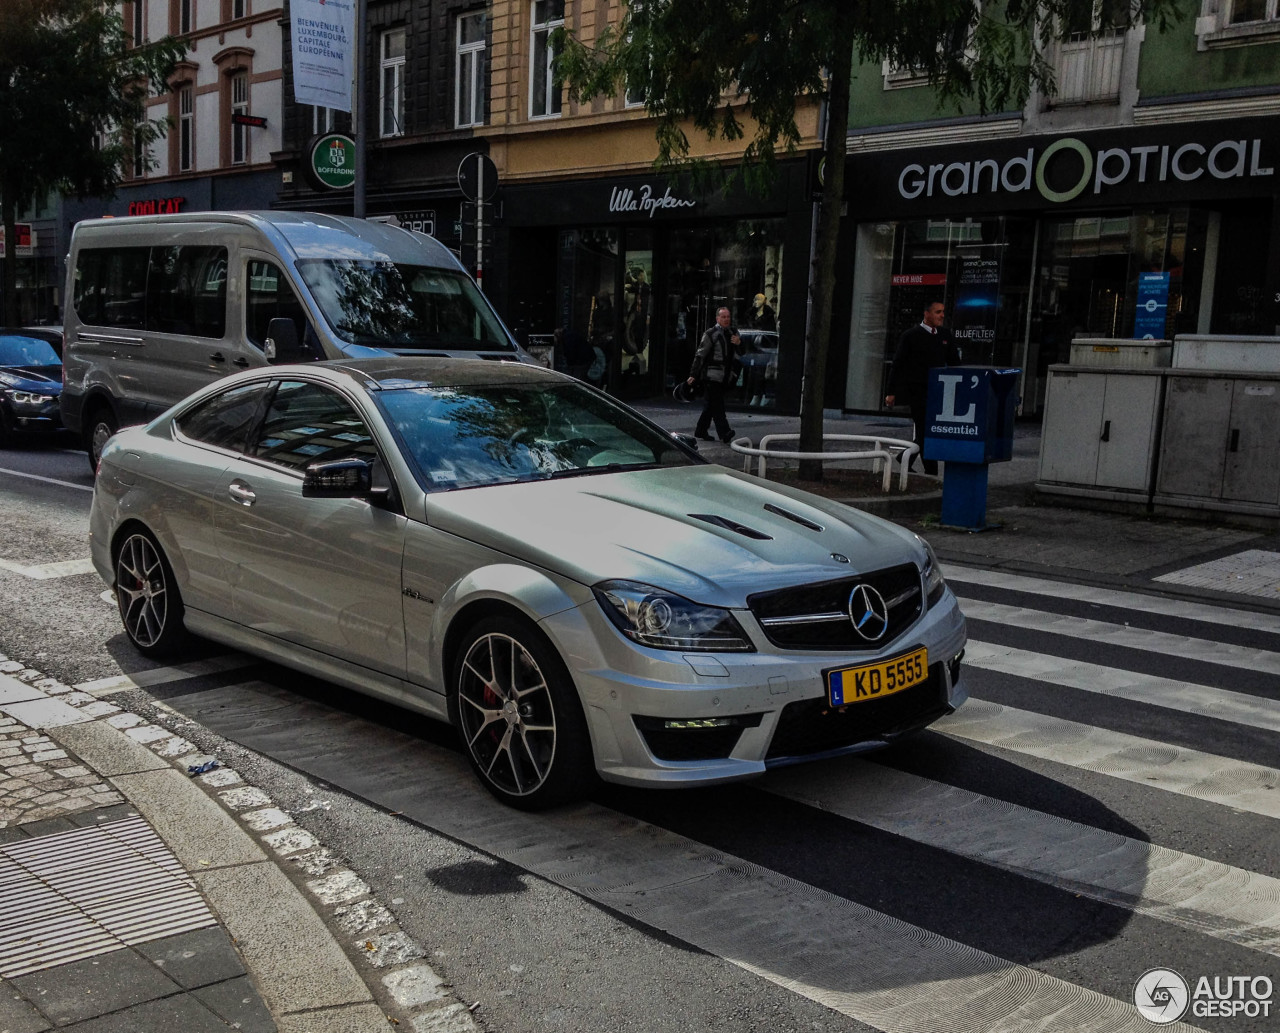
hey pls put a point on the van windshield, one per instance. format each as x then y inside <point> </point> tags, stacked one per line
<point>403,308</point>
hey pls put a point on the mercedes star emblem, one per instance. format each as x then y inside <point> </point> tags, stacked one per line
<point>868,612</point>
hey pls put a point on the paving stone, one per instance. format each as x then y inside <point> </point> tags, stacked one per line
<point>220,777</point>
<point>197,958</point>
<point>266,819</point>
<point>125,720</point>
<point>17,1016</point>
<point>147,734</point>
<point>236,1001</point>
<point>100,708</point>
<point>73,772</point>
<point>290,840</point>
<point>339,887</point>
<point>183,1013</point>
<point>174,747</point>
<point>414,986</point>
<point>86,989</point>
<point>243,797</point>
<point>364,916</point>
<point>47,755</point>
<point>453,1018</point>
<point>389,949</point>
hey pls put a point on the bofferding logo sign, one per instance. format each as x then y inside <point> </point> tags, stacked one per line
<point>1198,160</point>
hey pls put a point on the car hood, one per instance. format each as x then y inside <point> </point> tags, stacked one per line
<point>702,531</point>
<point>45,379</point>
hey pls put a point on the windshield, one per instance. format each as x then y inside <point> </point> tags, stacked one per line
<point>468,437</point>
<point>403,307</point>
<point>27,351</point>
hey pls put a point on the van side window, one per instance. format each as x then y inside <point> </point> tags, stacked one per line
<point>187,291</point>
<point>268,297</point>
<point>111,287</point>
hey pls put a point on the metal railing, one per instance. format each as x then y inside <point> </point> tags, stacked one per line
<point>882,450</point>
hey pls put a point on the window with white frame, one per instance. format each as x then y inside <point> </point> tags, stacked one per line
<point>957,40</point>
<point>139,21</point>
<point>139,153</point>
<point>1225,23</point>
<point>239,8</point>
<point>185,15</point>
<point>391,71</point>
<point>186,128</point>
<point>469,87</point>
<point>544,88</point>
<point>635,93</point>
<point>239,106</point>
<point>321,120</point>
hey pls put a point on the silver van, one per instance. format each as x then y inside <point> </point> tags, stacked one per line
<point>158,306</point>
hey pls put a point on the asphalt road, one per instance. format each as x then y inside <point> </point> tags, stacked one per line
<point>1105,805</point>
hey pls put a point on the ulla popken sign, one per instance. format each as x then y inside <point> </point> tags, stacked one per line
<point>645,201</point>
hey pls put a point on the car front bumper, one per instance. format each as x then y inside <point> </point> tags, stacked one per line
<point>665,717</point>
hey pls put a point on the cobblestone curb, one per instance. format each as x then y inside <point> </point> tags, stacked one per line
<point>391,962</point>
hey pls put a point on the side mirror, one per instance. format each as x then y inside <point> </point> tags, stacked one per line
<point>338,479</point>
<point>686,439</point>
<point>281,344</point>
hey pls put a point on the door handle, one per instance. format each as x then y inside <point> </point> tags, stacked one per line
<point>1235,440</point>
<point>241,493</point>
<point>1106,431</point>
<point>217,357</point>
<point>242,362</point>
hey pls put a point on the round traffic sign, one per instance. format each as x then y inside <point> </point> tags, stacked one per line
<point>476,174</point>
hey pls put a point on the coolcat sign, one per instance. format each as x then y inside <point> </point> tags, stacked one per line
<point>1227,159</point>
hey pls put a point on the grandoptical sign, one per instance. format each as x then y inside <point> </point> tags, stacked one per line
<point>1236,158</point>
<point>333,161</point>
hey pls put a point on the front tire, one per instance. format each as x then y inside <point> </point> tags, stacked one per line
<point>519,716</point>
<point>147,595</point>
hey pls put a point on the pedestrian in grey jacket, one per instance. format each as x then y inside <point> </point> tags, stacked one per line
<point>713,364</point>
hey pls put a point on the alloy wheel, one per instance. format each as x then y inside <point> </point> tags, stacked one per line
<point>507,714</point>
<point>142,591</point>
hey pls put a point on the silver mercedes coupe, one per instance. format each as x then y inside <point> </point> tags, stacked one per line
<point>514,552</point>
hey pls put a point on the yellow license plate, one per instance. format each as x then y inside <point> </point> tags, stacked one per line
<point>875,681</point>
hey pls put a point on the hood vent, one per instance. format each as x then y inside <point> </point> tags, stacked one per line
<point>779,511</point>
<point>733,525</point>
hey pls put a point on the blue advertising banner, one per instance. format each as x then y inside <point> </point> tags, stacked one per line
<point>1152,308</point>
<point>973,317</point>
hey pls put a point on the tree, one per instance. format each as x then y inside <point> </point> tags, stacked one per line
<point>726,67</point>
<point>73,93</point>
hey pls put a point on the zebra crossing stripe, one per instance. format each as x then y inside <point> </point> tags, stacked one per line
<point>1222,704</point>
<point>870,966</point>
<point>1181,646</point>
<point>1203,776</point>
<point>1162,605</point>
<point>1193,892</point>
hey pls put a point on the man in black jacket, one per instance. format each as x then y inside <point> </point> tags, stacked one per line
<point>925,346</point>
<point>713,364</point>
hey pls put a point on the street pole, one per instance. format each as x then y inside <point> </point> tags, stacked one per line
<point>480,224</point>
<point>358,115</point>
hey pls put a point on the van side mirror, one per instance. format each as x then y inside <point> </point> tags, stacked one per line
<point>281,344</point>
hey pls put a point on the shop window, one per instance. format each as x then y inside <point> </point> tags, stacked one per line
<point>391,77</point>
<point>1225,23</point>
<point>544,88</point>
<point>469,87</point>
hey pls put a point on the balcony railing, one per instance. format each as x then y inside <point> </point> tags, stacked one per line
<point>1089,67</point>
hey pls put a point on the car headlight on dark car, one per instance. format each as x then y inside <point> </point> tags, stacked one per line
<point>664,620</point>
<point>934,584</point>
<point>30,398</point>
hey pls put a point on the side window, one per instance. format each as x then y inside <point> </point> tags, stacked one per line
<point>111,287</point>
<point>306,423</point>
<point>226,419</point>
<point>187,291</point>
<point>269,296</point>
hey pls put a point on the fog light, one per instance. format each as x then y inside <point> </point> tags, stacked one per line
<point>706,722</point>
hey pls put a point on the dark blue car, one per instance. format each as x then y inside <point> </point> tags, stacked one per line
<point>30,382</point>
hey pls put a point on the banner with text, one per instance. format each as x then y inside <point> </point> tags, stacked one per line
<point>323,52</point>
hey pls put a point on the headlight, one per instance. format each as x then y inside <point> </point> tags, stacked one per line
<point>28,398</point>
<point>663,620</point>
<point>934,585</point>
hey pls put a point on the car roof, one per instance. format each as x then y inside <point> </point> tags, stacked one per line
<point>390,372</point>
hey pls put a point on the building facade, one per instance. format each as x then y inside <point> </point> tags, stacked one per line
<point>1139,200</point>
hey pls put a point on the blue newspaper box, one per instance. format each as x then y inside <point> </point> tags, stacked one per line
<point>970,424</point>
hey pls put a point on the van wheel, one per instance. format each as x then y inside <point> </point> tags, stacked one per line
<point>98,429</point>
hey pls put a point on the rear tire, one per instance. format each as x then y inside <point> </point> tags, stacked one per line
<point>98,428</point>
<point>147,595</point>
<point>519,716</point>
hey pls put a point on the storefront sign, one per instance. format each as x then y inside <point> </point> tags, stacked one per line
<point>26,246</point>
<point>1160,164</point>
<point>1152,306</point>
<point>257,121</point>
<point>419,222</point>
<point>919,279</point>
<point>333,161</point>
<point>157,206</point>
<point>644,201</point>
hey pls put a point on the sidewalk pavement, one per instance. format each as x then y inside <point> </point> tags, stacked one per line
<point>145,888</point>
<point>1043,535</point>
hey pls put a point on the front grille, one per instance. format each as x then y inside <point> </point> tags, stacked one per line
<point>817,616</point>
<point>811,726</point>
